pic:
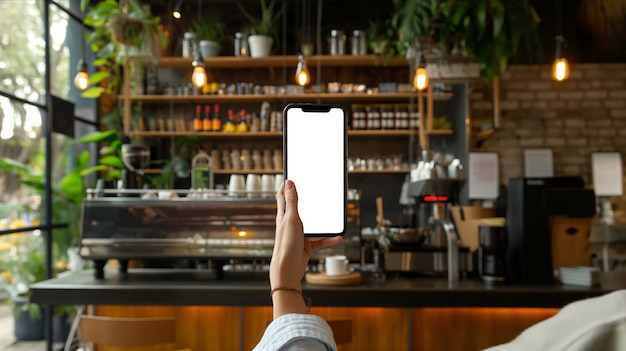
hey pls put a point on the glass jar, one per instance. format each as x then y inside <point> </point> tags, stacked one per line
<point>190,44</point>
<point>358,117</point>
<point>387,116</point>
<point>373,116</point>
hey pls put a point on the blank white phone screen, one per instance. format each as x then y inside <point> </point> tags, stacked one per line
<point>315,160</point>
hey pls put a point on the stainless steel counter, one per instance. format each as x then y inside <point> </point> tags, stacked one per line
<point>172,287</point>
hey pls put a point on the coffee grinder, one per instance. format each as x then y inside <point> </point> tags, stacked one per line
<point>135,158</point>
<point>493,243</point>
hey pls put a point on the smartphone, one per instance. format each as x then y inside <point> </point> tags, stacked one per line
<point>314,156</point>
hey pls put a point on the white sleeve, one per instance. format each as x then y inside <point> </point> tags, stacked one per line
<point>592,324</point>
<point>301,332</point>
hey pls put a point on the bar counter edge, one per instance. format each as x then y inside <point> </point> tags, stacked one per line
<point>171,288</point>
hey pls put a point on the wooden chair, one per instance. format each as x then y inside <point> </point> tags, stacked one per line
<point>127,332</point>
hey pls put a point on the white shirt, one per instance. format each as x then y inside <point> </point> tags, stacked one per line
<point>597,324</point>
<point>297,332</point>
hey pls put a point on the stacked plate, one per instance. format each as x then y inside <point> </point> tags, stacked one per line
<point>580,275</point>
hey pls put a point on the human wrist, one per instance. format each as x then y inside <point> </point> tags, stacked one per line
<point>289,300</point>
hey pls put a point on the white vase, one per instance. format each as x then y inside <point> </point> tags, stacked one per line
<point>260,45</point>
<point>209,48</point>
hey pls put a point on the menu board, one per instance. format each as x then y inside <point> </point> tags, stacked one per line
<point>483,175</point>
<point>607,173</point>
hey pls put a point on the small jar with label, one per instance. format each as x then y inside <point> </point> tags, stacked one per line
<point>358,117</point>
<point>414,119</point>
<point>387,115</point>
<point>373,116</point>
<point>401,116</point>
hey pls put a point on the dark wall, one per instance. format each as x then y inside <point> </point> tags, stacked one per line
<point>595,29</point>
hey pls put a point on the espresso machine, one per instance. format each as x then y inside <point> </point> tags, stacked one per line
<point>439,251</point>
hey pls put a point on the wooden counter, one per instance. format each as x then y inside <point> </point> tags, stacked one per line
<point>395,314</point>
<point>173,287</point>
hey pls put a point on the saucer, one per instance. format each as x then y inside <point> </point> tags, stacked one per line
<point>353,278</point>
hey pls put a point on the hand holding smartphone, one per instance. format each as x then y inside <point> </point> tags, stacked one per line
<point>314,154</point>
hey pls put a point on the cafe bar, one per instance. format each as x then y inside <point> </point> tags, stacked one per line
<point>478,172</point>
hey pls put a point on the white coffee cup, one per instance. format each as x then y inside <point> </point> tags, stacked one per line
<point>253,185</point>
<point>267,186</point>
<point>237,185</point>
<point>336,265</point>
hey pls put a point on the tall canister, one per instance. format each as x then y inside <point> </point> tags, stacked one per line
<point>201,171</point>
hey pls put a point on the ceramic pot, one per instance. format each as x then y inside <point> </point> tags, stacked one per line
<point>209,48</point>
<point>260,45</point>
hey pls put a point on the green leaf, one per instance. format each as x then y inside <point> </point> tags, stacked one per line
<point>98,137</point>
<point>83,160</point>
<point>98,77</point>
<point>112,161</point>
<point>92,93</point>
<point>111,149</point>
<point>72,186</point>
<point>90,170</point>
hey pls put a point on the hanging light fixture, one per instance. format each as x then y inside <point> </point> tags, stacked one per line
<point>177,12</point>
<point>560,67</point>
<point>420,77</point>
<point>198,78</point>
<point>81,81</point>
<point>303,77</point>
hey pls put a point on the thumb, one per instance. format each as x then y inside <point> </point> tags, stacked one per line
<point>291,197</point>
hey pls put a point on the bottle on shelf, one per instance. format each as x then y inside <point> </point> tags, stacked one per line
<point>216,124</point>
<point>198,124</point>
<point>242,126</point>
<point>207,121</point>
<point>229,126</point>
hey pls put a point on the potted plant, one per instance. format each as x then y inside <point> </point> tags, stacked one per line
<point>263,31</point>
<point>121,30</point>
<point>210,35</point>
<point>382,38</point>
<point>486,31</point>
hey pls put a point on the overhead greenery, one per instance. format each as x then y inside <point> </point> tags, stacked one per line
<point>118,28</point>
<point>488,31</point>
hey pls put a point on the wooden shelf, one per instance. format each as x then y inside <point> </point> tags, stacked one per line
<point>440,132</point>
<point>379,171</point>
<point>223,135</point>
<point>286,61</point>
<point>308,97</point>
<point>280,171</point>
<point>207,135</point>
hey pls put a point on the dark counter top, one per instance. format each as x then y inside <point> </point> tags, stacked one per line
<point>171,287</point>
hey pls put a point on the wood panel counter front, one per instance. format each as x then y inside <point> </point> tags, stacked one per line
<point>393,314</point>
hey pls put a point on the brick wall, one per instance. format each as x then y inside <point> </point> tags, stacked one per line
<point>584,114</point>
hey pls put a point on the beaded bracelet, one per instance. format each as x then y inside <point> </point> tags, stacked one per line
<point>307,300</point>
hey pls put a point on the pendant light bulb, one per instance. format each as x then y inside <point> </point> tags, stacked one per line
<point>81,81</point>
<point>420,77</point>
<point>198,78</point>
<point>177,12</point>
<point>303,77</point>
<point>560,67</point>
